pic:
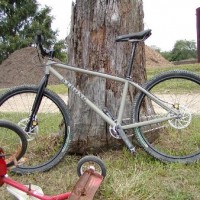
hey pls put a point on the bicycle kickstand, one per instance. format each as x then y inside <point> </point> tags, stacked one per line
<point>125,139</point>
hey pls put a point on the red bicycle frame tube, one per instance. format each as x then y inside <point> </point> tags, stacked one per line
<point>33,193</point>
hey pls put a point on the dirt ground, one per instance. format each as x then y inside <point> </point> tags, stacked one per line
<point>154,59</point>
<point>21,67</point>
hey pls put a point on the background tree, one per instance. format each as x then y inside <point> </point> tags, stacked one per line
<point>94,27</point>
<point>19,21</point>
<point>182,50</point>
<point>61,50</point>
<point>154,47</point>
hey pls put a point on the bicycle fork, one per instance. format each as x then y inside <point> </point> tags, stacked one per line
<point>37,102</point>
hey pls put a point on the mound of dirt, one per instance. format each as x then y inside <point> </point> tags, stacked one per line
<point>21,67</point>
<point>154,59</point>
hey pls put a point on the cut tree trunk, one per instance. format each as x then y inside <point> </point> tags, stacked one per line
<point>94,27</point>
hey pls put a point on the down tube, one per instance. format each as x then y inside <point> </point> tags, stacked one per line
<point>82,97</point>
<point>89,103</point>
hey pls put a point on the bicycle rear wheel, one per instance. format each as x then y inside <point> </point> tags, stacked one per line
<point>175,140</point>
<point>50,133</point>
<point>13,141</point>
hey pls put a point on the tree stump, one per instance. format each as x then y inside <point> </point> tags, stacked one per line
<point>94,27</point>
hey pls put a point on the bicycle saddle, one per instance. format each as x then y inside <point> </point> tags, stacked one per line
<point>139,36</point>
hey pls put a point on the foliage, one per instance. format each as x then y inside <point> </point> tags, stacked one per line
<point>182,50</point>
<point>19,21</point>
<point>60,52</point>
<point>154,47</point>
<point>167,55</point>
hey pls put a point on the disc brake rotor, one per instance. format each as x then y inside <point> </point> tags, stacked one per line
<point>33,130</point>
<point>183,119</point>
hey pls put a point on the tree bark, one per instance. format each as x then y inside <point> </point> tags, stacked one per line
<point>94,27</point>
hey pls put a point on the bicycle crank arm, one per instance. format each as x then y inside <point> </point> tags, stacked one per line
<point>125,139</point>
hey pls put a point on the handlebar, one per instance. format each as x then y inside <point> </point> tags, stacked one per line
<point>45,52</point>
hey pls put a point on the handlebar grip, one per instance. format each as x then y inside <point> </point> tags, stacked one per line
<point>39,38</point>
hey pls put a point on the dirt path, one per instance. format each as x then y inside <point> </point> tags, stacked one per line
<point>188,102</point>
<point>21,103</point>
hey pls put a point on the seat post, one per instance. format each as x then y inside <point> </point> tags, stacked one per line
<point>130,66</point>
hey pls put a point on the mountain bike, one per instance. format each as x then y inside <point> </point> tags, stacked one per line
<point>13,141</point>
<point>166,106</point>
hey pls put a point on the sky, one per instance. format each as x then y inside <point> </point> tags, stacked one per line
<point>61,11</point>
<point>170,20</point>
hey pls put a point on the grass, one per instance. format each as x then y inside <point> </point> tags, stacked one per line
<point>2,91</point>
<point>138,177</point>
<point>128,177</point>
<point>11,143</point>
<point>152,71</point>
<point>59,89</point>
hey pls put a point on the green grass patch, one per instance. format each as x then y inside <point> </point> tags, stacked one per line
<point>128,177</point>
<point>172,86</point>
<point>2,91</point>
<point>152,71</point>
<point>59,89</point>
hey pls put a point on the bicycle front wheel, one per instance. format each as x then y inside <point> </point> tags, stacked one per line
<point>13,141</point>
<point>50,133</point>
<point>91,162</point>
<point>177,139</point>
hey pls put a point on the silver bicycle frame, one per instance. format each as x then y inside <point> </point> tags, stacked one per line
<point>50,69</point>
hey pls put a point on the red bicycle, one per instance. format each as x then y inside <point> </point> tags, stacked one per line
<point>91,170</point>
